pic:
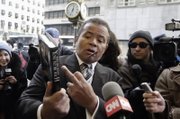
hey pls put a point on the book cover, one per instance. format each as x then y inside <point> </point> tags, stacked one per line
<point>50,58</point>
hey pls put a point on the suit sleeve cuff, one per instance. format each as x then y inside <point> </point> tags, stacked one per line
<point>39,112</point>
<point>88,115</point>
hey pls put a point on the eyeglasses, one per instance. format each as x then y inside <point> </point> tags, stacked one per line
<point>141,45</point>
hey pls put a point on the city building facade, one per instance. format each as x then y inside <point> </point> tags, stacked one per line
<point>21,17</point>
<point>123,16</point>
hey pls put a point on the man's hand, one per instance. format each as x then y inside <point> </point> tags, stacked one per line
<point>80,91</point>
<point>154,102</point>
<point>55,105</point>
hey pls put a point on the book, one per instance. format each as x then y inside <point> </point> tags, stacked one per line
<point>50,58</point>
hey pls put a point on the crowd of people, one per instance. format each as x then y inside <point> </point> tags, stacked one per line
<point>26,92</point>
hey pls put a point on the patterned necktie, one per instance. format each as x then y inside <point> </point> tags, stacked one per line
<point>86,70</point>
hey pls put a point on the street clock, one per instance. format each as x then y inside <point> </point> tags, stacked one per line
<point>75,11</point>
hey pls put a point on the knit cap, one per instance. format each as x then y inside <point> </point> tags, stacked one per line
<point>4,46</point>
<point>142,34</point>
<point>53,32</point>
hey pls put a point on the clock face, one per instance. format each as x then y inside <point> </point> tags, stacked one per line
<point>83,10</point>
<point>72,9</point>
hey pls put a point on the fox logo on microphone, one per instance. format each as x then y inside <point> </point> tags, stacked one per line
<point>116,104</point>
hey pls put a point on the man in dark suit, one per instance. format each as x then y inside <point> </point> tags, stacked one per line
<point>78,98</point>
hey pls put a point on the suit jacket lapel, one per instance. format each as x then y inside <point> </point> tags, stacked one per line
<point>100,79</point>
<point>71,63</point>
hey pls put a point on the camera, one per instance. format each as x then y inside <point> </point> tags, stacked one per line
<point>167,49</point>
<point>5,73</point>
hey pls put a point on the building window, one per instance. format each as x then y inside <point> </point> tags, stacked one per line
<point>34,2</point>
<point>37,30</point>
<point>46,15</point>
<point>10,14</point>
<point>16,25</point>
<point>168,1</point>
<point>38,12</point>
<point>64,29</point>
<point>27,28</point>
<point>3,2</point>
<point>55,2</point>
<point>141,2</point>
<point>32,30</point>
<point>16,15</point>
<point>22,7</point>
<point>17,5</point>
<point>2,12</point>
<point>38,20</point>
<point>62,1</point>
<point>33,11</point>
<point>144,2</point>
<point>151,1</point>
<point>10,3</point>
<point>55,14</point>
<point>51,15</point>
<point>93,11</point>
<point>124,3</point>
<point>28,18</point>
<point>28,9</point>
<point>33,19</point>
<point>42,13</point>
<point>2,24</point>
<point>9,25</point>
<point>22,17</point>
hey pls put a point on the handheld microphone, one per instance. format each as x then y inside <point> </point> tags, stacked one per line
<point>136,68</point>
<point>116,103</point>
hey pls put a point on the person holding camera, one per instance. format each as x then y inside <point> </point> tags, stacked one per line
<point>139,67</point>
<point>12,81</point>
<point>164,102</point>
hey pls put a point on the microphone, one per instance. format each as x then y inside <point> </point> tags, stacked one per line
<point>136,68</point>
<point>115,104</point>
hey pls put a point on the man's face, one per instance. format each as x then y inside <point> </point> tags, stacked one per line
<point>141,51</point>
<point>92,42</point>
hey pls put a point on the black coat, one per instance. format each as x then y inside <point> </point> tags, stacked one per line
<point>131,83</point>
<point>8,98</point>
<point>33,63</point>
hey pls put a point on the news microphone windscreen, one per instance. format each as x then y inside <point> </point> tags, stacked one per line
<point>111,89</point>
<point>136,69</point>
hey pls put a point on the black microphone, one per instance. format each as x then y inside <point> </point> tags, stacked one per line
<point>116,105</point>
<point>136,68</point>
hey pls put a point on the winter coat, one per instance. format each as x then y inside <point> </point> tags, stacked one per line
<point>168,84</point>
<point>8,98</point>
<point>132,78</point>
<point>33,62</point>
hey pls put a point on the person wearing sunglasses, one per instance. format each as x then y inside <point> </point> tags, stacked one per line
<point>139,67</point>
